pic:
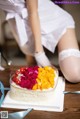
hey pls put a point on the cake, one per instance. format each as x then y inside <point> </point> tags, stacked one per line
<point>31,84</point>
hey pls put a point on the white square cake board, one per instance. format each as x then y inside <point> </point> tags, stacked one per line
<point>55,103</point>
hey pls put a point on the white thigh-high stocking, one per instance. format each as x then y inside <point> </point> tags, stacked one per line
<point>42,59</point>
<point>69,61</point>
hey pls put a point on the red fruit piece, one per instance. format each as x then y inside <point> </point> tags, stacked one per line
<point>22,69</point>
<point>33,81</point>
<point>23,78</point>
<point>25,83</point>
<point>17,72</point>
<point>16,80</point>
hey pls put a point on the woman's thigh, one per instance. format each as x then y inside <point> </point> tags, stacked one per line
<point>30,59</point>
<point>68,40</point>
<point>12,25</point>
<point>69,56</point>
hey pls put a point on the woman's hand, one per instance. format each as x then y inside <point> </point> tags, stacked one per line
<point>32,7</point>
<point>42,59</point>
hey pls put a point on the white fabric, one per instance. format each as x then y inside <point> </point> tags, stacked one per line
<point>67,53</point>
<point>54,22</point>
<point>42,59</point>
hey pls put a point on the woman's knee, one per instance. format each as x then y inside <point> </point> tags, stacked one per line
<point>69,61</point>
<point>72,74</point>
<point>75,77</point>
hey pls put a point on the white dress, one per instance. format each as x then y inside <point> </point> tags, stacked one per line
<point>54,22</point>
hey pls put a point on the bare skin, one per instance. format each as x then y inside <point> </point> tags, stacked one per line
<point>33,16</point>
<point>68,40</point>
<point>30,60</point>
<point>35,26</point>
<point>71,65</point>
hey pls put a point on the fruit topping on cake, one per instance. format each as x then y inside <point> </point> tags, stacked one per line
<point>35,78</point>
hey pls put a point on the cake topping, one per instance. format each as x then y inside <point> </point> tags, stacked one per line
<point>35,77</point>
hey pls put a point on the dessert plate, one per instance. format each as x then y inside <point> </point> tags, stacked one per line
<point>55,103</point>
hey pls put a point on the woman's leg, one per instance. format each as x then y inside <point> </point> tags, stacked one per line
<point>40,58</point>
<point>69,56</point>
<point>30,60</point>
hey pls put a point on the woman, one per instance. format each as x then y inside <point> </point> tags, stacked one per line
<point>41,23</point>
